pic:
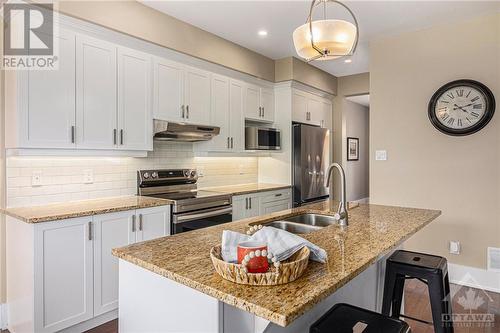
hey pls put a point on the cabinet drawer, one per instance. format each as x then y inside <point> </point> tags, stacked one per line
<point>276,195</point>
<point>275,206</point>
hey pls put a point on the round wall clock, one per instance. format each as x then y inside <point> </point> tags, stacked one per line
<point>461,107</point>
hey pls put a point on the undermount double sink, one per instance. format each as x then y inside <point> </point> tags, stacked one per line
<point>304,223</point>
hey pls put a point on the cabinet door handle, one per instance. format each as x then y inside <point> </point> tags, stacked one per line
<point>187,112</point>
<point>73,134</point>
<point>260,111</point>
<point>133,223</point>
<point>140,222</point>
<point>90,231</point>
<point>263,112</point>
<point>250,203</point>
<point>228,143</point>
<point>182,111</point>
<point>232,143</point>
<point>121,136</point>
<point>246,203</point>
<point>278,194</point>
<point>114,136</point>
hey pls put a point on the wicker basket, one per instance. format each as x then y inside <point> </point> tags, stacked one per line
<point>288,271</point>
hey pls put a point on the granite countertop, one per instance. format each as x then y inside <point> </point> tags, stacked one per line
<point>60,211</point>
<point>65,210</point>
<point>373,230</point>
<point>246,188</point>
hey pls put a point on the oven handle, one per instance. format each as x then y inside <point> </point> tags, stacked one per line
<point>207,213</point>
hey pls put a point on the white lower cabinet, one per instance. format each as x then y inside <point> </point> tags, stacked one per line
<point>261,203</point>
<point>74,277</point>
<point>62,274</point>
<point>110,231</point>
<point>152,223</point>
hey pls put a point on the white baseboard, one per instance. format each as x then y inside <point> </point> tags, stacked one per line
<point>474,277</point>
<point>3,316</point>
<point>363,200</point>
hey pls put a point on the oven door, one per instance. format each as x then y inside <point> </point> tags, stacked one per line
<point>201,219</point>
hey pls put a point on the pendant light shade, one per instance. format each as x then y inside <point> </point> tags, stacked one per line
<point>326,39</point>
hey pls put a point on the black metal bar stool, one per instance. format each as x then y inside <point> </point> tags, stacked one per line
<point>345,318</point>
<point>431,270</point>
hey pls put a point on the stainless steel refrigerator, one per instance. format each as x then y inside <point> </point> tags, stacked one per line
<point>310,160</point>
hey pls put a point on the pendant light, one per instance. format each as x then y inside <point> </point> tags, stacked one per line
<point>326,39</point>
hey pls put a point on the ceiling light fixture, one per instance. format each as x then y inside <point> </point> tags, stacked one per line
<point>262,33</point>
<point>348,61</point>
<point>326,39</point>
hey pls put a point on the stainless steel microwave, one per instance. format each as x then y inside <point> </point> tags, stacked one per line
<point>261,138</point>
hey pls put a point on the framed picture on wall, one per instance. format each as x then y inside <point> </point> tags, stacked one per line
<point>352,149</point>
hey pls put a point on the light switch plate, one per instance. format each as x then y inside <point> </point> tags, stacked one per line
<point>36,178</point>
<point>454,247</point>
<point>381,155</point>
<point>88,176</point>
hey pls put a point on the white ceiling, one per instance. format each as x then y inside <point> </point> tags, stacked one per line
<point>239,22</point>
<point>360,99</point>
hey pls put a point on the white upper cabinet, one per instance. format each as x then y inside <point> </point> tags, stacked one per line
<point>299,107</point>
<point>134,100</point>
<point>315,109</point>
<point>226,113</point>
<point>168,90</point>
<point>267,103</point>
<point>236,121</point>
<point>48,118</point>
<point>197,96</point>
<point>96,121</point>
<point>220,115</point>
<point>311,109</point>
<point>259,103</point>
<point>327,112</point>
<point>253,109</point>
<point>181,93</point>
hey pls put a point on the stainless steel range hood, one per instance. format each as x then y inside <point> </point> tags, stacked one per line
<point>169,131</point>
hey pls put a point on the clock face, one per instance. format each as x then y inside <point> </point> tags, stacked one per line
<point>461,107</point>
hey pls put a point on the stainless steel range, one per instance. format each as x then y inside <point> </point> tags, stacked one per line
<point>192,209</point>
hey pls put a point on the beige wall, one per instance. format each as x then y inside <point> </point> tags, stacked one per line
<point>140,21</point>
<point>357,172</point>
<point>350,85</point>
<point>425,168</point>
<point>295,69</point>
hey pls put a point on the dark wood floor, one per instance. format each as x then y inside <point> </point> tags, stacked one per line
<point>417,305</point>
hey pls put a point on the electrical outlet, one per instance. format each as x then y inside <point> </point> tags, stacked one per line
<point>454,247</point>
<point>381,155</point>
<point>36,178</point>
<point>88,176</point>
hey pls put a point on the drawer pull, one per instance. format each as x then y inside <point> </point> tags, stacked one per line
<point>278,195</point>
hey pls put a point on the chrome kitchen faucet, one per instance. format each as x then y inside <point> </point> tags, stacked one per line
<point>342,215</point>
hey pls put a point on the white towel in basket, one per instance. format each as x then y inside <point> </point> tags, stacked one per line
<point>280,243</point>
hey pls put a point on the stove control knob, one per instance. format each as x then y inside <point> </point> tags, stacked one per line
<point>193,173</point>
<point>145,175</point>
<point>154,175</point>
<point>186,173</point>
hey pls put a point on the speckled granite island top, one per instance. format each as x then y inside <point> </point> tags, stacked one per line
<point>373,230</point>
<point>61,211</point>
<point>246,188</point>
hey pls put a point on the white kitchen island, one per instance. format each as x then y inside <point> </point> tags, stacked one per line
<point>169,284</point>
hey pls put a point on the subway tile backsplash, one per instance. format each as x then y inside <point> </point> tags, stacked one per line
<point>62,178</point>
